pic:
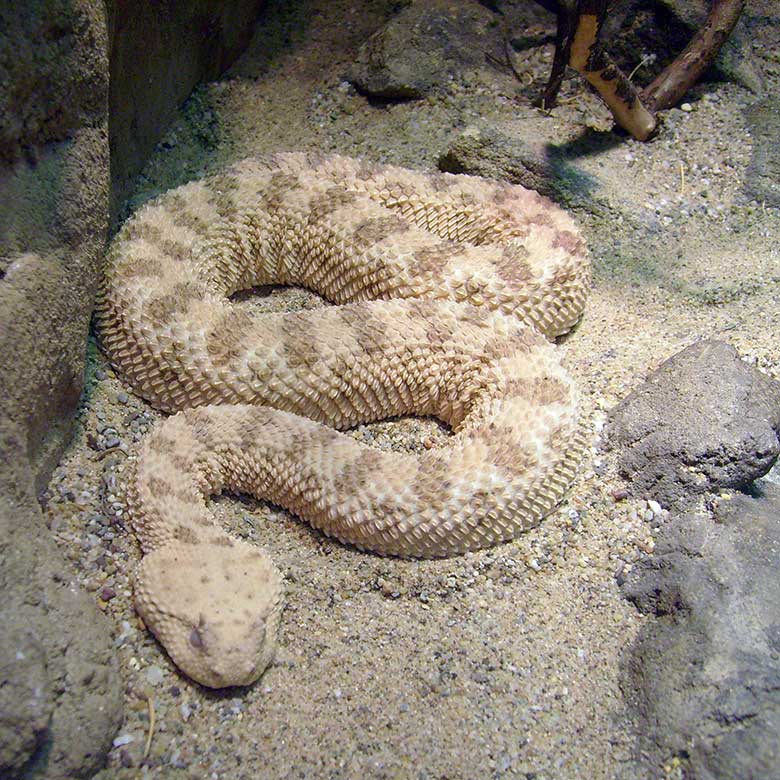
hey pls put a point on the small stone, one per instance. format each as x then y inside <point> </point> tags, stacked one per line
<point>122,397</point>
<point>621,494</point>
<point>123,739</point>
<point>687,107</point>
<point>107,593</point>
<point>100,375</point>
<point>155,675</point>
<point>654,507</point>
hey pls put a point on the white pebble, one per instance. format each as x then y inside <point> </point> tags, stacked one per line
<point>155,675</point>
<point>687,107</point>
<point>123,739</point>
<point>654,507</point>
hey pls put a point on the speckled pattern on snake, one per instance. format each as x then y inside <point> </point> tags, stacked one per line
<point>447,291</point>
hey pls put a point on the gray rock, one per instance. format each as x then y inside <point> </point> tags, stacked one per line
<point>190,42</point>
<point>763,176</point>
<point>486,151</point>
<point>26,702</point>
<point>704,420</point>
<point>56,655</point>
<point>703,679</point>
<point>60,692</point>
<point>423,47</point>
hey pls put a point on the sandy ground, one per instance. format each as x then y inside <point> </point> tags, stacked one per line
<point>503,663</point>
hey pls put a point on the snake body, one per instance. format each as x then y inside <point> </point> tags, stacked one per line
<point>447,291</point>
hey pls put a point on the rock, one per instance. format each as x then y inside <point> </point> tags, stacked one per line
<point>703,421</point>
<point>486,151</point>
<point>190,42</point>
<point>61,699</point>
<point>26,702</point>
<point>703,678</point>
<point>425,46</point>
<point>763,175</point>
<point>53,218</point>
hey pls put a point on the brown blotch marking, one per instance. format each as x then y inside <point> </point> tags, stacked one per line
<point>377,229</point>
<point>163,445</point>
<point>370,331</point>
<point>543,391</point>
<point>368,170</point>
<point>299,343</point>
<point>434,259</point>
<point>183,216</point>
<point>502,193</point>
<point>512,267</point>
<point>225,339</point>
<point>441,182</point>
<point>439,330</point>
<point>358,473</point>
<point>224,541</point>
<point>505,451</point>
<point>186,535</point>
<point>147,266</point>
<point>570,241</point>
<point>139,229</point>
<point>325,203</point>
<point>158,486</point>
<point>179,461</point>
<point>433,480</point>
<point>271,195</point>
<point>161,309</point>
<point>199,419</point>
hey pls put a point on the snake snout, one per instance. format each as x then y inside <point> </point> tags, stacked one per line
<point>220,628</point>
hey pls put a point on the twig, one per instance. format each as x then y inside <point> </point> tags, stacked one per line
<point>589,58</point>
<point>677,78</point>
<point>149,736</point>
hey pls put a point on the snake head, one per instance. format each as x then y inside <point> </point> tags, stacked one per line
<point>214,607</point>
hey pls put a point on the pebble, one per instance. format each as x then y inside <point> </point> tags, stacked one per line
<point>122,397</point>
<point>687,107</point>
<point>123,739</point>
<point>654,507</point>
<point>155,675</point>
<point>107,593</point>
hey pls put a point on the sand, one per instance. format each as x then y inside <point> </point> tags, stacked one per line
<point>503,663</point>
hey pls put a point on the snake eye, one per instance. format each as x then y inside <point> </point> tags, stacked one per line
<point>196,639</point>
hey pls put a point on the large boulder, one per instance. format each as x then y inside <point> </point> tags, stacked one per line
<point>703,421</point>
<point>424,47</point>
<point>703,678</point>
<point>60,691</point>
<point>60,695</point>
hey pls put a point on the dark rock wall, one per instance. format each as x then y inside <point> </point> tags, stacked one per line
<point>159,51</point>
<point>60,691</point>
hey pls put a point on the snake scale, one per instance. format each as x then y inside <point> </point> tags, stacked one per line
<point>448,290</point>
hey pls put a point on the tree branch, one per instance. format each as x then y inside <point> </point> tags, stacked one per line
<point>677,78</point>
